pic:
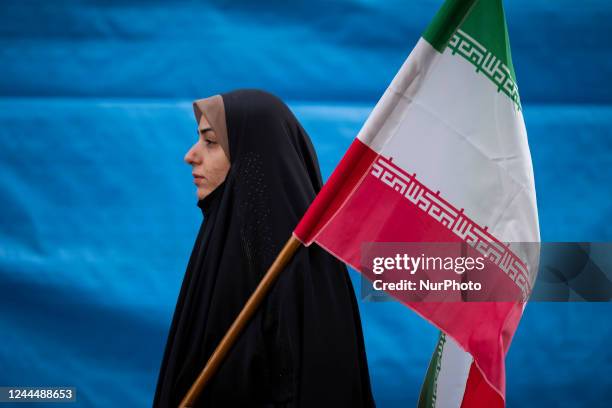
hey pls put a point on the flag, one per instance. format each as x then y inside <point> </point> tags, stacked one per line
<point>443,157</point>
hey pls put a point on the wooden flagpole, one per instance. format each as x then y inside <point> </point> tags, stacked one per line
<point>245,315</point>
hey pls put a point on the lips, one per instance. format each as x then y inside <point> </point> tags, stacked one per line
<point>197,178</point>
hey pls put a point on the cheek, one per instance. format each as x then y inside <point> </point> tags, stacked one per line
<point>216,166</point>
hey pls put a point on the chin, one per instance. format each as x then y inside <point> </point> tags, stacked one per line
<point>202,193</point>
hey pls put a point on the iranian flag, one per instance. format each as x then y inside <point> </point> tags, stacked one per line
<point>443,157</point>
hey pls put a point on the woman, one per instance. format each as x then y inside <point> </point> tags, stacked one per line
<point>256,173</point>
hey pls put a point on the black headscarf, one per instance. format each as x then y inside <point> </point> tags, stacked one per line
<point>304,346</point>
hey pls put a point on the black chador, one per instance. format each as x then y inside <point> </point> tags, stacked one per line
<point>304,346</point>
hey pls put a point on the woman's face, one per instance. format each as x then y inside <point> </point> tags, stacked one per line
<point>208,161</point>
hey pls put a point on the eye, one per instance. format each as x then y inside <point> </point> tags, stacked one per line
<point>208,142</point>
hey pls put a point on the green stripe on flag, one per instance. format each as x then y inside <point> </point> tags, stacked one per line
<point>445,23</point>
<point>427,397</point>
<point>477,31</point>
<point>486,23</point>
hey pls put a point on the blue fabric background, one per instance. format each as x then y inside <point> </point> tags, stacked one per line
<point>97,209</point>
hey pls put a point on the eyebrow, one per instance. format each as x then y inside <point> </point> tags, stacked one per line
<point>202,131</point>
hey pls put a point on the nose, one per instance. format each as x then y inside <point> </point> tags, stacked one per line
<point>190,156</point>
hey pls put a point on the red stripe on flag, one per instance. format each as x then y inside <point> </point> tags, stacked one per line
<point>351,169</point>
<point>357,207</point>
<point>478,393</point>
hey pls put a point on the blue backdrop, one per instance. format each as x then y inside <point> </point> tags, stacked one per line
<point>97,209</point>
